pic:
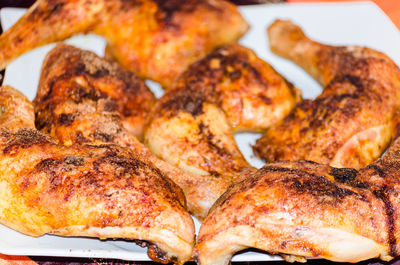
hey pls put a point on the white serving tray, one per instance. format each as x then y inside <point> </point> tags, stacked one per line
<point>358,23</point>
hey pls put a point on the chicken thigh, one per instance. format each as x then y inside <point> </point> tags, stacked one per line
<point>101,191</point>
<point>304,209</point>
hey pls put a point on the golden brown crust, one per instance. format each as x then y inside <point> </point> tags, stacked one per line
<point>145,36</point>
<point>192,125</point>
<point>306,209</point>
<point>382,178</point>
<point>89,114</point>
<point>46,22</point>
<point>350,123</point>
<point>195,136</point>
<point>15,116</point>
<point>193,131</point>
<point>285,200</point>
<point>303,208</point>
<point>251,93</point>
<point>180,33</point>
<point>86,190</point>
<point>100,166</point>
<point>69,73</point>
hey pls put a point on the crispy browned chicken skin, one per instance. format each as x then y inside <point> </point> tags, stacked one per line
<point>77,103</point>
<point>102,191</point>
<point>192,125</point>
<point>304,209</point>
<point>157,39</point>
<point>351,123</point>
<point>70,73</point>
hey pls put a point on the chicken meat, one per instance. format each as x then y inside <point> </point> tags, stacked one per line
<point>302,209</point>
<point>81,99</point>
<point>70,73</point>
<point>192,126</point>
<point>101,191</point>
<point>350,123</point>
<point>157,39</point>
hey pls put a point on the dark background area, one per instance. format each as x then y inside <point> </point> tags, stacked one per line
<point>16,3</point>
<point>27,3</point>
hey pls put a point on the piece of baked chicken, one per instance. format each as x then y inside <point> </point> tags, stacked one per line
<point>304,209</point>
<point>351,122</point>
<point>81,99</point>
<point>102,191</point>
<point>192,126</point>
<point>72,74</point>
<point>157,39</point>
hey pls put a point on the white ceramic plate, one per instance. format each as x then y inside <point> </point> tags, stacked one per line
<point>360,23</point>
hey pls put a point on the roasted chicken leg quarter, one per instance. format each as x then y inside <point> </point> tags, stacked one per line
<point>304,209</point>
<point>192,126</point>
<point>98,191</point>
<point>157,39</point>
<point>350,123</point>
